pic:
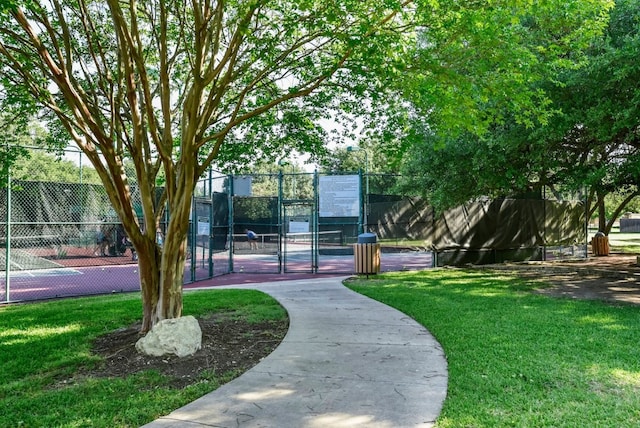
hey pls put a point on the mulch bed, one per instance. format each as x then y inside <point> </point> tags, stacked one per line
<point>228,346</point>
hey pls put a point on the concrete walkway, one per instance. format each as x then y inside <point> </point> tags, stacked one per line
<point>346,361</point>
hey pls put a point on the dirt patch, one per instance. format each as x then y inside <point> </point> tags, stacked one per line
<point>228,346</point>
<point>591,287</point>
<point>614,278</point>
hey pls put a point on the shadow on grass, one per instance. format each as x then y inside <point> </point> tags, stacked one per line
<point>518,358</point>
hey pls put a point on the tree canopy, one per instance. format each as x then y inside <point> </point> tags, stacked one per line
<point>38,165</point>
<point>590,141</point>
<point>13,136</point>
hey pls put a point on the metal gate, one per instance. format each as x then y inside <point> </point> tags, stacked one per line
<point>292,235</point>
<point>209,238</point>
<point>299,237</point>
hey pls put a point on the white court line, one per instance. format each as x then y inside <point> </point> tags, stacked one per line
<point>15,266</point>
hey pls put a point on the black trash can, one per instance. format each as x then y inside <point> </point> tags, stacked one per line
<point>366,254</point>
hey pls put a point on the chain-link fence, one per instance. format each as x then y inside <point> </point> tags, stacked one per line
<point>487,231</point>
<point>63,238</point>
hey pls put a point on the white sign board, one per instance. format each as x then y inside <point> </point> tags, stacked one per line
<point>298,226</point>
<point>339,195</point>
<point>203,227</point>
<point>242,186</point>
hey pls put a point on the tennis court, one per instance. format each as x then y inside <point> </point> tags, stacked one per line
<point>36,278</point>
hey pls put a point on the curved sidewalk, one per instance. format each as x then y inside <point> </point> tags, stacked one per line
<point>346,361</point>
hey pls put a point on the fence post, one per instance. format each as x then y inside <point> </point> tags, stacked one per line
<point>231,224</point>
<point>281,230</point>
<point>193,231</point>
<point>315,220</point>
<point>7,243</point>
<point>210,231</point>
<point>361,217</point>
<point>80,167</point>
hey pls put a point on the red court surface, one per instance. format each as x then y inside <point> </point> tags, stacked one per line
<point>89,275</point>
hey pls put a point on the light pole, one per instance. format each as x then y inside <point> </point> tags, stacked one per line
<point>366,180</point>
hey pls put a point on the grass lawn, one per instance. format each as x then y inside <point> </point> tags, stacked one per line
<point>42,345</point>
<point>519,359</point>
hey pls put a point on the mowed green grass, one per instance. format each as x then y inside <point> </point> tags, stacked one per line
<point>44,345</point>
<point>519,359</point>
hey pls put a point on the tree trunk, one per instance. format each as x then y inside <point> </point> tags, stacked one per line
<point>619,209</point>
<point>161,278</point>
<point>148,261</point>
<point>172,276</point>
<point>161,267</point>
<point>602,215</point>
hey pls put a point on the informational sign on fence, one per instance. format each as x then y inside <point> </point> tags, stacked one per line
<point>203,226</point>
<point>242,185</point>
<point>297,226</point>
<point>339,195</point>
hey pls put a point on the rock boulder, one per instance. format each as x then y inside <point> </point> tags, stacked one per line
<point>178,336</point>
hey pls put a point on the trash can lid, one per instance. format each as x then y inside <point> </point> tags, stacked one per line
<point>367,238</point>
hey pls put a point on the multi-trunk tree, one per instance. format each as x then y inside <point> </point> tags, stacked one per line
<point>170,86</point>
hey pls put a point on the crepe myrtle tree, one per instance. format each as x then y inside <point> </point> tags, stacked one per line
<point>172,85</point>
<point>165,83</point>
